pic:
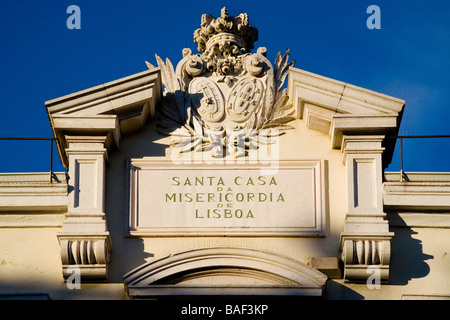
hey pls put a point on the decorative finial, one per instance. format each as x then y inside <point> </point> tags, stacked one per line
<point>236,29</point>
<point>224,12</point>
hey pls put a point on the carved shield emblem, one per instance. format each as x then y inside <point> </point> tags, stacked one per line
<point>244,99</point>
<point>207,99</point>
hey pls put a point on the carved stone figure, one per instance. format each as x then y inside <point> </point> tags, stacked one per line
<point>226,95</point>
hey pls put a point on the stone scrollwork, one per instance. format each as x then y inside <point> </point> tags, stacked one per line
<point>366,252</point>
<point>362,256</point>
<point>90,255</point>
<point>224,89</point>
<point>84,252</point>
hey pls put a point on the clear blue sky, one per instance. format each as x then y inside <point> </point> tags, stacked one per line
<point>41,59</point>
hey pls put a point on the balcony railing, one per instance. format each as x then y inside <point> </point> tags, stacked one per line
<point>38,139</point>
<point>400,138</point>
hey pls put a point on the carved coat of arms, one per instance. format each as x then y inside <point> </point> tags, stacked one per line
<point>225,99</point>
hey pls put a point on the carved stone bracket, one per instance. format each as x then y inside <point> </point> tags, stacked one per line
<point>89,253</point>
<point>360,253</point>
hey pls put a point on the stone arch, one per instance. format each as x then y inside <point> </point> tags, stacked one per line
<point>224,271</point>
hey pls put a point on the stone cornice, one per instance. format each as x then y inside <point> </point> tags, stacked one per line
<point>338,96</point>
<point>337,108</point>
<point>423,191</point>
<point>345,124</point>
<point>111,109</point>
<point>33,192</point>
<point>108,97</point>
<point>30,200</point>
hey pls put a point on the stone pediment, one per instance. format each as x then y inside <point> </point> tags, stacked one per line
<point>112,109</point>
<point>337,108</point>
<point>224,271</point>
<point>124,106</point>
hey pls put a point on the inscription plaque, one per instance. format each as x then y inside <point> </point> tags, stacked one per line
<point>167,199</point>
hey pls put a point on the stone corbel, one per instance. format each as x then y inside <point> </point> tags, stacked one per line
<point>84,237</point>
<point>361,254</point>
<point>366,241</point>
<point>89,253</point>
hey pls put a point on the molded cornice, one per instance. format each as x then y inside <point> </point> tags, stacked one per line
<point>337,108</point>
<point>111,109</point>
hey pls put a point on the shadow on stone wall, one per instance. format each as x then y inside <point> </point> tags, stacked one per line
<point>338,291</point>
<point>130,254</point>
<point>127,252</point>
<point>408,261</point>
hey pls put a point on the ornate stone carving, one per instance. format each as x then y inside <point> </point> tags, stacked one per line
<point>366,252</point>
<point>84,252</point>
<point>217,31</point>
<point>224,93</point>
<point>89,253</point>
<point>363,253</point>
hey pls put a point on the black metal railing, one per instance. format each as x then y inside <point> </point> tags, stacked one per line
<point>38,139</point>
<point>400,138</point>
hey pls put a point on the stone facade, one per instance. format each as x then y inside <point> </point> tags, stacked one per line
<point>225,183</point>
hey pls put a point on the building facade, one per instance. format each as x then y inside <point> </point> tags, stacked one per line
<point>227,175</point>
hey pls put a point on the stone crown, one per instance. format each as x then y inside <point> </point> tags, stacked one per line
<point>237,29</point>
